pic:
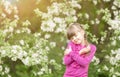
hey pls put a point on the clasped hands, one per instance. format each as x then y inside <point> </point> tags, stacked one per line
<point>82,51</point>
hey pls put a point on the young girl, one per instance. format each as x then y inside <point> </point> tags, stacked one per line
<point>79,52</point>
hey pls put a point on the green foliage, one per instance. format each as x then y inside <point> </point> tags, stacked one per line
<point>33,40</point>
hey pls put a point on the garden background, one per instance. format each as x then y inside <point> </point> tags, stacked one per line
<point>33,36</point>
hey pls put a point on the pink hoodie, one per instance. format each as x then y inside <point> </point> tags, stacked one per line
<point>77,65</point>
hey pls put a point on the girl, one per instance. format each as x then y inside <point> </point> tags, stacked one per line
<point>79,52</point>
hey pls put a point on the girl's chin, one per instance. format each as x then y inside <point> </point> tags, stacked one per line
<point>78,43</point>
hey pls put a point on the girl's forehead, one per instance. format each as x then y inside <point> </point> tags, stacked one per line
<point>79,32</point>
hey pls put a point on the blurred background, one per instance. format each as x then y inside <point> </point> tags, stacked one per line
<point>33,36</point>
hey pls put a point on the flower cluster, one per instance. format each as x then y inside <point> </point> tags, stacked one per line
<point>18,43</point>
<point>52,22</point>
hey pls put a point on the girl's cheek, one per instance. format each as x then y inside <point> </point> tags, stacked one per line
<point>81,39</point>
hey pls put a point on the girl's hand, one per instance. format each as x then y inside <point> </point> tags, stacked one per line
<point>67,51</point>
<point>84,50</point>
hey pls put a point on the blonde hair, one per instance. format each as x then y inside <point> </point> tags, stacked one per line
<point>73,28</point>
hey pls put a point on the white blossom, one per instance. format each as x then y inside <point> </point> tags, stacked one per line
<point>52,44</point>
<point>15,9</point>
<point>95,60</point>
<point>114,42</point>
<point>7,70</point>
<point>74,3</point>
<point>95,2</point>
<point>92,22</point>
<point>26,61</point>
<point>40,73</point>
<point>47,36</point>
<point>3,15</point>
<point>37,34</point>
<point>111,70</point>
<point>61,28</point>
<point>22,42</point>
<point>14,58</point>
<point>114,76</point>
<point>112,61</point>
<point>47,48</point>
<point>26,23</point>
<point>16,17</point>
<point>52,61</point>
<point>106,0</point>
<point>97,21</point>
<point>55,9</point>
<point>115,24</point>
<point>113,8</point>
<point>9,75</point>
<point>58,20</point>
<point>116,13</point>
<point>99,70</point>
<point>117,73</point>
<point>1,68</point>
<point>117,3</point>
<point>43,69</point>
<point>27,30</point>
<point>48,26</point>
<point>63,48</point>
<point>18,31</point>
<point>105,68</point>
<point>86,15</point>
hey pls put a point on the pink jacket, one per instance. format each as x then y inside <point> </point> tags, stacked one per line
<point>77,65</point>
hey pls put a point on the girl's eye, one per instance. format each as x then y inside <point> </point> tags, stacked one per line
<point>74,37</point>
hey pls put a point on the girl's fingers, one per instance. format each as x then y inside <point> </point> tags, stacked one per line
<point>70,48</point>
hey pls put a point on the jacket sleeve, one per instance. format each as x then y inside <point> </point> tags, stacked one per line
<point>67,60</point>
<point>84,60</point>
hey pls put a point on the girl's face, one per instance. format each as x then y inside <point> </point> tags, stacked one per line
<point>78,37</point>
